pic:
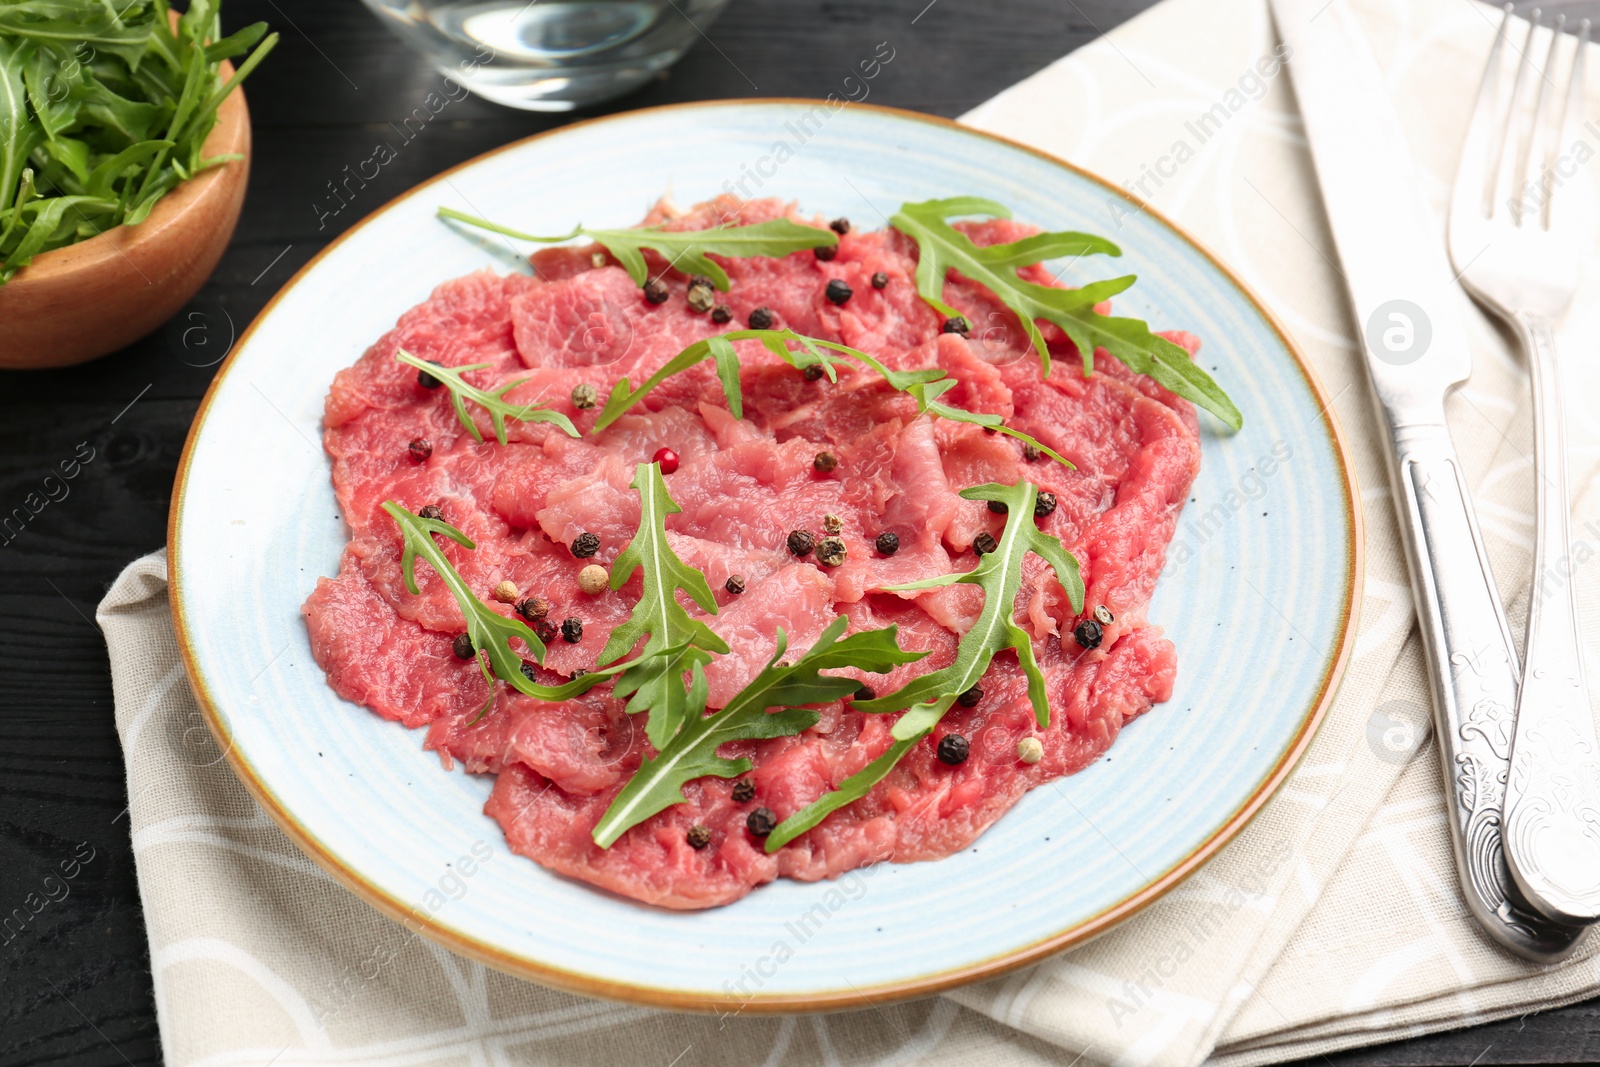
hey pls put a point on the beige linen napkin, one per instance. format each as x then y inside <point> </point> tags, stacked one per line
<point>1332,921</point>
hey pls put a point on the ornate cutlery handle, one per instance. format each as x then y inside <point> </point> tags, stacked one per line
<point>1472,672</point>
<point>1552,806</point>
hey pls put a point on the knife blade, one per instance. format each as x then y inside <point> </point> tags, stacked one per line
<point>1407,312</point>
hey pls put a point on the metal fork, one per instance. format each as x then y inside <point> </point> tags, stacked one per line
<point>1515,244</point>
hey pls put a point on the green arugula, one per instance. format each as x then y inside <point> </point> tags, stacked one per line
<point>812,351</point>
<point>491,400</point>
<point>928,697</point>
<point>677,642</point>
<point>692,752</point>
<point>927,396</point>
<point>685,250</point>
<point>490,631</point>
<point>941,248</point>
<point>924,385</point>
<point>104,109</point>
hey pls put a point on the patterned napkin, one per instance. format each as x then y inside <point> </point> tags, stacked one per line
<point>1332,921</point>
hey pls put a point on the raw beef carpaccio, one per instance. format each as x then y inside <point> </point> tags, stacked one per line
<point>743,485</point>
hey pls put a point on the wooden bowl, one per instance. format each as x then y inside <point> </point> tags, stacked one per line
<point>85,300</point>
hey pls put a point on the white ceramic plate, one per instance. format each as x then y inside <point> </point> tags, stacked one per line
<point>1258,592</point>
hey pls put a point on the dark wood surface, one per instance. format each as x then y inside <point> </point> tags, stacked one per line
<point>75,986</point>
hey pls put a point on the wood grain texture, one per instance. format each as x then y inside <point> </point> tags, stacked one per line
<point>75,987</point>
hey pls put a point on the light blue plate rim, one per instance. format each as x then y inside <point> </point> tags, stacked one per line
<point>1335,646</point>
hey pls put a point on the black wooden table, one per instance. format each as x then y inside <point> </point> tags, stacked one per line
<point>75,986</point>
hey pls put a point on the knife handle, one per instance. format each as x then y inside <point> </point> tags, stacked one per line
<point>1552,807</point>
<point>1472,673</point>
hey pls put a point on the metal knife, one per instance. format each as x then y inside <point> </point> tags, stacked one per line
<point>1402,292</point>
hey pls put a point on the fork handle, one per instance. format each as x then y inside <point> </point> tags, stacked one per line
<point>1552,807</point>
<point>1472,672</point>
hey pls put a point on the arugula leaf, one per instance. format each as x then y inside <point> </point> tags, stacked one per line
<point>624,396</point>
<point>656,680</point>
<point>941,248</point>
<point>653,683</point>
<point>490,631</point>
<point>491,400</point>
<point>18,133</point>
<point>692,752</point>
<point>925,385</point>
<point>104,109</point>
<point>929,696</point>
<point>685,250</point>
<point>927,396</point>
<point>850,790</point>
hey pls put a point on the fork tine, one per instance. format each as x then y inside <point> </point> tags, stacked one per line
<point>1533,168</point>
<point>1474,187</point>
<point>1571,114</point>
<point>1507,159</point>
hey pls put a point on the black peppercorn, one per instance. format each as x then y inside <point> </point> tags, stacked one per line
<point>825,462</point>
<point>721,313</point>
<point>462,646</point>
<point>838,291</point>
<point>744,791</point>
<point>864,692</point>
<point>761,318</point>
<point>585,545</point>
<point>1030,453</point>
<point>734,584</point>
<point>428,381</point>
<point>578,673</point>
<point>527,671</point>
<point>534,607</point>
<point>879,280</point>
<point>840,226</point>
<point>420,448</point>
<point>953,749</point>
<point>1044,504</point>
<point>1088,633</point>
<point>572,630</point>
<point>887,543</point>
<point>545,630</point>
<point>827,252</point>
<point>655,291</point>
<point>984,543</point>
<point>831,551</point>
<point>431,511</point>
<point>761,822</point>
<point>970,698</point>
<point>801,542</point>
<point>813,372</point>
<point>698,837</point>
<point>955,324</point>
<point>999,507</point>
